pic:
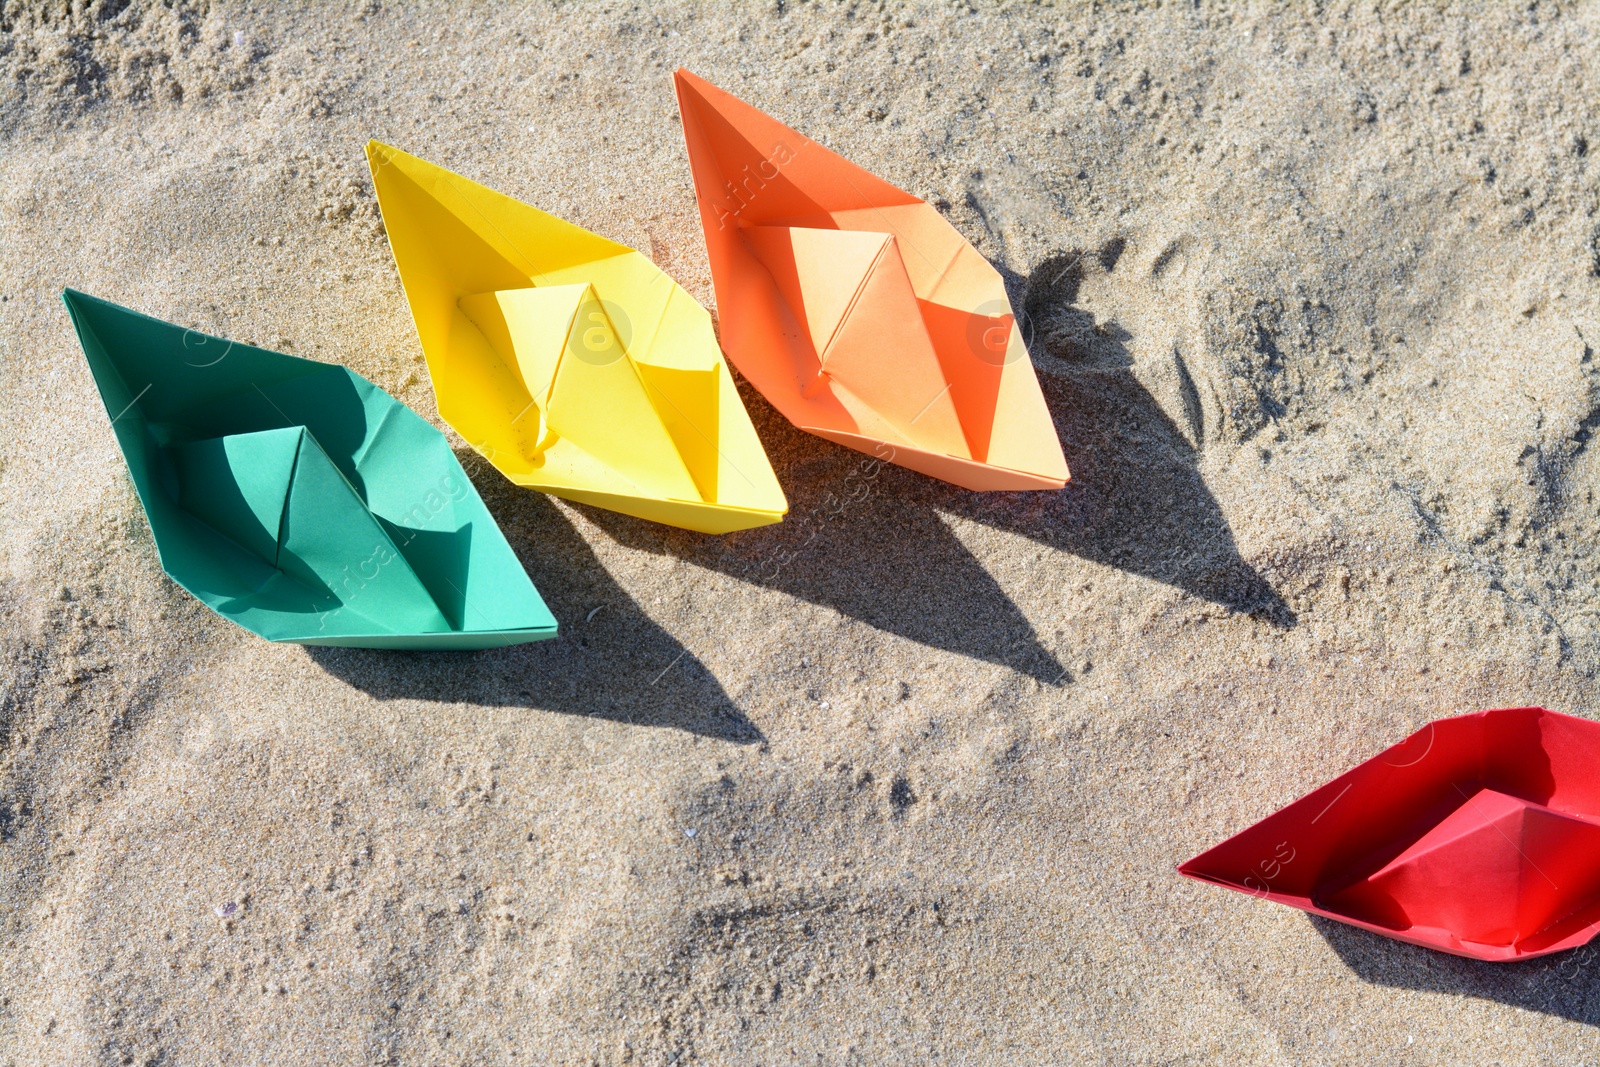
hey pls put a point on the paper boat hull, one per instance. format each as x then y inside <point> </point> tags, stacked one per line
<point>299,500</point>
<point>963,472</point>
<point>1476,836</point>
<point>509,302</point>
<point>857,310</point>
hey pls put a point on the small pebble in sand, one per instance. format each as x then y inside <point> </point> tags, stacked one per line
<point>226,910</point>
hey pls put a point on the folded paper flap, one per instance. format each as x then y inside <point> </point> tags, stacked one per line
<point>852,292</point>
<point>538,329</point>
<point>881,350</point>
<point>824,275</point>
<point>689,405</point>
<point>639,298</point>
<point>529,328</point>
<point>277,494</point>
<point>973,351</point>
<point>239,485</point>
<point>531,241</point>
<point>600,403</point>
<point>944,268</point>
<point>820,273</point>
<point>1357,822</point>
<point>145,367</point>
<point>1495,871</point>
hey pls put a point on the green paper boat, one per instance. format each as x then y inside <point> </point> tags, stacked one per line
<point>298,499</point>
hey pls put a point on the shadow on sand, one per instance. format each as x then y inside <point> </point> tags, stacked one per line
<point>874,543</point>
<point>618,666</point>
<point>1566,984</point>
<point>868,540</point>
<point>1137,501</point>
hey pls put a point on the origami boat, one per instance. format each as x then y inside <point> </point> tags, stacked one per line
<point>857,310</point>
<point>1478,835</point>
<point>298,499</point>
<point>571,362</point>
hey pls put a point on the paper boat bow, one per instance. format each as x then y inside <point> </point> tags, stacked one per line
<point>857,310</point>
<point>571,362</point>
<point>298,499</point>
<point>1478,835</point>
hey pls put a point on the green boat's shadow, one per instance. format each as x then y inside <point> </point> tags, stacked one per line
<point>617,665</point>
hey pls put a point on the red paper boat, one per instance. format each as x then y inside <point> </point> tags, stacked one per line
<point>1478,835</point>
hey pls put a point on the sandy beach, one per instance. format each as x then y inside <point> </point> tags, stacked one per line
<point>1314,301</point>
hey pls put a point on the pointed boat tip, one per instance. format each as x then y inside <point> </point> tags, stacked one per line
<point>380,154</point>
<point>76,300</point>
<point>684,79</point>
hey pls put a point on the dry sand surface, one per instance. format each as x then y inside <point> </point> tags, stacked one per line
<point>902,780</point>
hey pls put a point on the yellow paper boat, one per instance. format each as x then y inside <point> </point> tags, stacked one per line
<point>570,362</point>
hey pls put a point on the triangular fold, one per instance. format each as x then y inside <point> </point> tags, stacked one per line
<point>681,335</point>
<point>329,539</point>
<point>941,264</point>
<point>973,351</point>
<point>688,404</point>
<point>767,170</point>
<point>1494,871</point>
<point>444,243</point>
<point>599,402</point>
<point>533,242</point>
<point>239,484</point>
<point>882,352</point>
<point>529,328</point>
<point>818,272</point>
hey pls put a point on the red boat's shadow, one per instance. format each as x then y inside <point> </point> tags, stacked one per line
<point>1566,984</point>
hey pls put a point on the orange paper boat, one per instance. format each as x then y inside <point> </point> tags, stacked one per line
<point>857,310</point>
